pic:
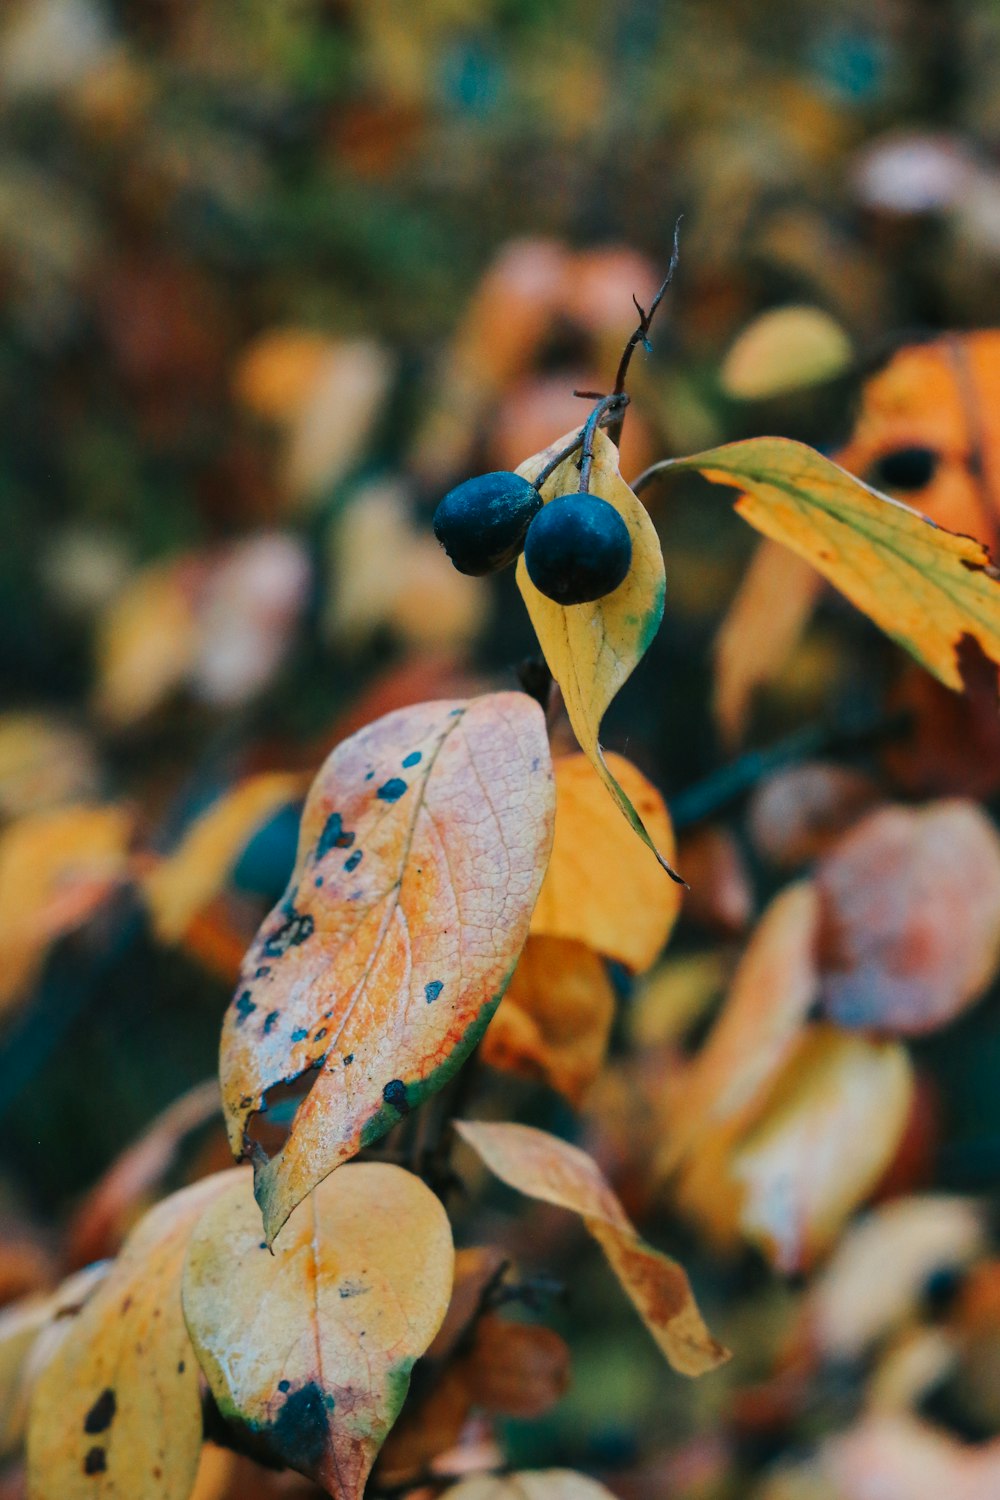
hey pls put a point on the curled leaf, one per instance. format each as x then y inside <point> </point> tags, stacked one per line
<point>544,1167</point>
<point>601,888</point>
<point>311,1346</point>
<point>592,649</point>
<point>423,844</point>
<point>116,1414</point>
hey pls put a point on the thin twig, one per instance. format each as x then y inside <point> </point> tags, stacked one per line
<point>641,334</point>
<point>647,476</point>
<point>607,404</point>
<point>570,448</point>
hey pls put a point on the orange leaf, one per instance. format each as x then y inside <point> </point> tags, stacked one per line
<point>758,1028</point>
<point>555,1019</point>
<point>601,887</point>
<point>311,1347</point>
<point>116,1412</point>
<point>423,844</point>
<point>544,1167</point>
<point>56,867</point>
<point>910,903</point>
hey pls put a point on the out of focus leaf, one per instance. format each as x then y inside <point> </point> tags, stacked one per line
<point>910,917</point>
<point>336,419</point>
<point>423,844</point>
<point>311,1347</point>
<point>758,1029</point>
<point>601,887</point>
<point>800,811</point>
<point>56,867</point>
<point>42,763</point>
<point>147,640</point>
<point>674,996</point>
<point>720,897</point>
<point>592,649</point>
<point>116,1411</point>
<point>784,350</point>
<point>925,587</point>
<point>180,884</point>
<point>276,373</point>
<point>763,624</point>
<point>555,1019</point>
<point>544,1167</point>
<point>541,1484</point>
<point>877,1274</point>
<point>901,1458</point>
<point>129,1186</point>
<point>798,1182</point>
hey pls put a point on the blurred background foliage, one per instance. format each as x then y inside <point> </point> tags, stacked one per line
<point>276,273</point>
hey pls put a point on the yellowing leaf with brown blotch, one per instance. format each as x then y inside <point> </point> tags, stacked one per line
<point>56,868</point>
<point>544,1167</point>
<point>910,913</point>
<point>592,649</point>
<point>555,1020</point>
<point>422,848</point>
<point>601,887</point>
<point>116,1414</point>
<point>538,1484</point>
<point>925,587</point>
<point>184,881</point>
<point>827,1134</point>
<point>311,1347</point>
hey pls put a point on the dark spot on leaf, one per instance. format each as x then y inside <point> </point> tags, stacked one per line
<point>263,971</point>
<point>297,929</point>
<point>432,990</point>
<point>181,1367</point>
<point>354,860</point>
<point>318,881</point>
<point>269,1021</point>
<point>299,1034</point>
<point>320,1034</point>
<point>300,1431</point>
<point>102,1413</point>
<point>392,790</point>
<point>284,1385</point>
<point>244,1007</point>
<point>413,759</point>
<point>96,1461</point>
<point>334,836</point>
<point>394,1093</point>
<point>369,775</point>
<point>349,1058</point>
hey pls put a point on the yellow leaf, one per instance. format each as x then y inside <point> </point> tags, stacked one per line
<point>544,1167</point>
<point>827,1134</point>
<point>116,1413</point>
<point>312,1346</point>
<point>183,882</point>
<point>147,640</point>
<point>42,763</point>
<point>783,350</point>
<point>601,888</point>
<point>555,1019</point>
<point>423,843</point>
<point>592,649</point>
<point>925,587</point>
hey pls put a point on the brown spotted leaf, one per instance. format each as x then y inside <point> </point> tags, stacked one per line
<point>423,845</point>
<point>311,1347</point>
<point>116,1414</point>
<point>544,1167</point>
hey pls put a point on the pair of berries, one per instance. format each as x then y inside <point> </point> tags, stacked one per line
<point>576,548</point>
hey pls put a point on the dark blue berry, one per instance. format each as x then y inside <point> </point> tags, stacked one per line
<point>577,549</point>
<point>481,523</point>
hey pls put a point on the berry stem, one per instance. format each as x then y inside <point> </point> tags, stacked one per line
<point>607,404</point>
<point>640,336</point>
<point>604,404</point>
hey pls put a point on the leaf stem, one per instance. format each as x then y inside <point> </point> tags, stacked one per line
<point>641,335</point>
